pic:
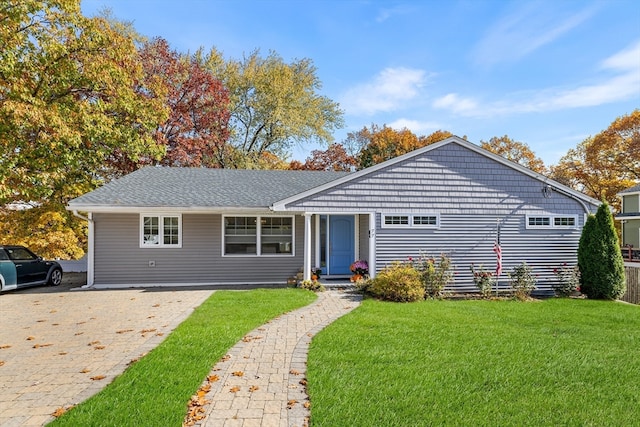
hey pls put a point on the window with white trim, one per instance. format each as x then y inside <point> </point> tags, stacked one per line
<point>255,235</point>
<point>410,221</point>
<point>157,231</point>
<point>552,221</point>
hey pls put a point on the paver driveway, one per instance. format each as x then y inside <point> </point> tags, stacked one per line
<point>53,341</point>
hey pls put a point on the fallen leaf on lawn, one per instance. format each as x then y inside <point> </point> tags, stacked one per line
<point>159,334</point>
<point>155,305</point>
<point>291,403</point>
<point>309,334</point>
<point>41,320</point>
<point>53,311</point>
<point>294,372</point>
<point>80,323</point>
<point>78,333</point>
<point>1,362</point>
<point>42,345</point>
<point>226,357</point>
<point>98,377</point>
<point>206,388</point>
<point>307,405</point>
<point>85,370</point>
<point>55,324</point>
<point>144,331</point>
<point>150,317</point>
<point>124,331</point>
<point>237,373</point>
<point>62,353</point>
<point>94,343</point>
<point>234,389</point>
<point>254,388</point>
<point>99,347</point>
<point>60,411</point>
<point>5,346</point>
<point>303,381</point>
<point>30,338</point>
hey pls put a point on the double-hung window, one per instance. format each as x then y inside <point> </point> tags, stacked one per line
<point>255,235</point>
<point>157,231</point>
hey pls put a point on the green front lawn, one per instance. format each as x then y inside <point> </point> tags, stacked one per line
<point>478,363</point>
<point>155,390</point>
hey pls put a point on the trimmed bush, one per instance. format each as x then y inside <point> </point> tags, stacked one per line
<point>435,274</point>
<point>399,282</point>
<point>522,281</point>
<point>599,257</point>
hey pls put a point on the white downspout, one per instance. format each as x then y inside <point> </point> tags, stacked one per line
<point>90,247</point>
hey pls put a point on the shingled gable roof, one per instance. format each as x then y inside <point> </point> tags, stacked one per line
<point>281,205</point>
<point>196,189</point>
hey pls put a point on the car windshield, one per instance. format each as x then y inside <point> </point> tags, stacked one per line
<point>20,254</point>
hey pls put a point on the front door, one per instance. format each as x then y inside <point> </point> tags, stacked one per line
<point>341,243</point>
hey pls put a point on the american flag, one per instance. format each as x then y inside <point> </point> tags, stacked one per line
<point>498,250</point>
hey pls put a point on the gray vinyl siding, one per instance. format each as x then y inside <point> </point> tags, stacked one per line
<point>470,193</point>
<point>120,260</point>
<point>631,204</point>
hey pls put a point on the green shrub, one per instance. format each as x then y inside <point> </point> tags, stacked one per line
<point>398,282</point>
<point>599,257</point>
<point>522,281</point>
<point>435,274</point>
<point>483,280</point>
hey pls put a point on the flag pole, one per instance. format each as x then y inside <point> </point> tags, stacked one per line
<point>498,250</point>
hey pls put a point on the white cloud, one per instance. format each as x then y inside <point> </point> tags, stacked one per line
<point>415,126</point>
<point>524,30</point>
<point>622,85</point>
<point>455,103</point>
<point>387,91</point>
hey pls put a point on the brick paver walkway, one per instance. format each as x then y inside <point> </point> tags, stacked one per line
<point>59,347</point>
<point>261,381</point>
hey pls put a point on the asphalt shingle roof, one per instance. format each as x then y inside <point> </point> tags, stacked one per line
<point>201,187</point>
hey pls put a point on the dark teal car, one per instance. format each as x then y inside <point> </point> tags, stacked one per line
<point>20,268</point>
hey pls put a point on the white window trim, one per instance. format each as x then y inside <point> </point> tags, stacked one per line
<point>410,225</point>
<point>259,237</point>
<point>552,222</point>
<point>161,243</point>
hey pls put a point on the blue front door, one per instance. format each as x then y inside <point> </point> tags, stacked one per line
<point>341,243</point>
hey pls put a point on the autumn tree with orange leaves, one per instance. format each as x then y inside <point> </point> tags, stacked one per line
<point>605,164</point>
<point>518,152</point>
<point>334,158</point>
<point>381,144</point>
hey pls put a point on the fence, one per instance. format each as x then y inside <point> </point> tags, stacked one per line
<point>633,285</point>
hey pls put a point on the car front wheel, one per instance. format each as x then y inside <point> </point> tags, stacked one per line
<point>56,277</point>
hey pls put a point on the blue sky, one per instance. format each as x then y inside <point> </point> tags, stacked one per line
<point>547,73</point>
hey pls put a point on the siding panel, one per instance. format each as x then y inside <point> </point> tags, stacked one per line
<point>120,260</point>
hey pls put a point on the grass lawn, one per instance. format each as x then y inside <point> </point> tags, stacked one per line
<point>155,390</point>
<point>478,363</point>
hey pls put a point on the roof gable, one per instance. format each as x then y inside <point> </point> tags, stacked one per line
<point>633,190</point>
<point>582,198</point>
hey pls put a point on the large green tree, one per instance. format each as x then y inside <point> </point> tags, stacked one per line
<point>599,257</point>
<point>273,106</point>
<point>68,99</point>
